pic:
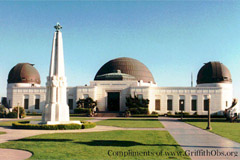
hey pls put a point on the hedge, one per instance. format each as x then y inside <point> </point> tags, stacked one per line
<point>82,110</point>
<point>87,125</point>
<point>144,115</point>
<point>139,110</point>
<point>27,125</point>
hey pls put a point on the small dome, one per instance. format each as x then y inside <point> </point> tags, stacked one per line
<point>214,72</point>
<point>24,73</point>
<point>126,68</point>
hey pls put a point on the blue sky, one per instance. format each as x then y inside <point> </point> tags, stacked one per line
<point>171,38</point>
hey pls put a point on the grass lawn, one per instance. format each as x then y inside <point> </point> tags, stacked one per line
<point>101,145</point>
<point>2,132</point>
<point>132,123</point>
<point>9,123</point>
<point>219,126</point>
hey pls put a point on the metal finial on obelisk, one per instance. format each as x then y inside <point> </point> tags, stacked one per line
<point>58,27</point>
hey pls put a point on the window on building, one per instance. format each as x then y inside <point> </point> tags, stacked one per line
<point>9,102</point>
<point>26,103</point>
<point>206,104</point>
<point>169,105</point>
<point>37,103</point>
<point>194,103</point>
<point>226,103</point>
<point>157,104</point>
<point>70,103</point>
<point>181,104</point>
<point>85,96</point>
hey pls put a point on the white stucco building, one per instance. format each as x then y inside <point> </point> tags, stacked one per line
<point>122,77</point>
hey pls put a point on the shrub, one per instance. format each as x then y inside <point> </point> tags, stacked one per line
<point>144,115</point>
<point>22,112</point>
<point>3,111</point>
<point>195,114</point>
<point>154,112</point>
<point>169,113</point>
<point>86,103</point>
<point>12,115</point>
<point>87,125</point>
<point>82,110</point>
<point>143,110</point>
<point>186,114</point>
<point>27,125</point>
<point>135,102</point>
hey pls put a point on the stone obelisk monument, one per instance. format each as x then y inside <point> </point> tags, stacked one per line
<point>56,110</point>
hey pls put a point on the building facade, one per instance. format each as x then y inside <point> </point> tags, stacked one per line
<point>123,77</point>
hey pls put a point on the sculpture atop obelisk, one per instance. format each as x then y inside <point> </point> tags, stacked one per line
<point>56,110</point>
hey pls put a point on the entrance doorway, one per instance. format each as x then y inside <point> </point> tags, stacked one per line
<point>113,101</point>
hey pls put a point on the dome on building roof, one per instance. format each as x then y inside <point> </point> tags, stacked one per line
<point>24,73</point>
<point>214,72</point>
<point>127,66</point>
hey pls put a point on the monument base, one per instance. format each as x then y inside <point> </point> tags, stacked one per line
<point>55,122</point>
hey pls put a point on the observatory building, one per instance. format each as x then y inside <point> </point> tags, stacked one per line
<point>121,77</point>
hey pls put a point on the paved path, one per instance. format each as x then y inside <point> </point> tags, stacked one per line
<point>13,154</point>
<point>198,141</point>
<point>15,134</point>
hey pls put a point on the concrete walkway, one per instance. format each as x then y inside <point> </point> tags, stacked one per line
<point>15,134</point>
<point>199,143</point>
<point>13,154</point>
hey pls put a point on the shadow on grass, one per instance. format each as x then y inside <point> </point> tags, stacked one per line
<point>43,140</point>
<point>205,120</point>
<point>132,119</point>
<point>115,143</point>
<point>120,143</point>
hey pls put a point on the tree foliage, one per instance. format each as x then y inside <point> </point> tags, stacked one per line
<point>22,112</point>
<point>137,105</point>
<point>86,103</point>
<point>135,102</point>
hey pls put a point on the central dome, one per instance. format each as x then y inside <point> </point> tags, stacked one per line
<point>124,65</point>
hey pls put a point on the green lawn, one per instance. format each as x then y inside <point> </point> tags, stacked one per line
<point>9,123</point>
<point>2,132</point>
<point>132,123</point>
<point>219,126</point>
<point>101,145</point>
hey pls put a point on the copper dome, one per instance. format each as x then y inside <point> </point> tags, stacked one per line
<point>214,72</point>
<point>24,73</point>
<point>128,66</point>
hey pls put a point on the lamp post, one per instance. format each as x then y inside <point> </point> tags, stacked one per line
<point>209,114</point>
<point>181,107</point>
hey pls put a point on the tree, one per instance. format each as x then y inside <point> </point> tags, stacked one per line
<point>137,105</point>
<point>3,111</point>
<point>86,103</point>
<point>22,112</point>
